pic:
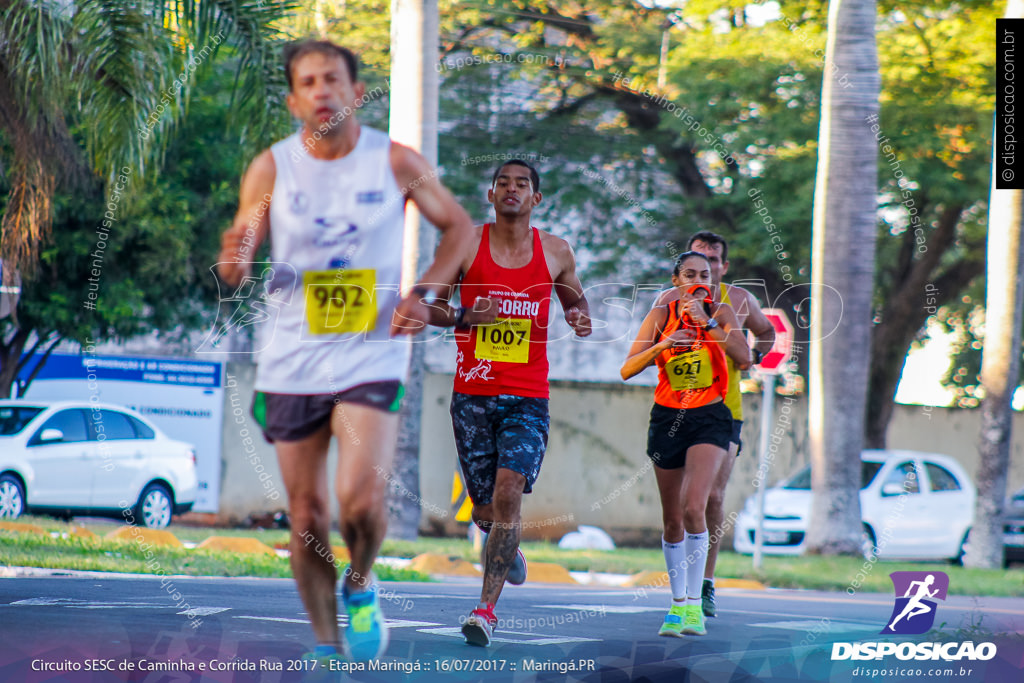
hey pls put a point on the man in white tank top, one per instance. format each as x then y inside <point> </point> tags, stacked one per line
<point>331,198</point>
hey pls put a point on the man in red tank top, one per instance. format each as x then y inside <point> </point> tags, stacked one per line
<point>500,403</point>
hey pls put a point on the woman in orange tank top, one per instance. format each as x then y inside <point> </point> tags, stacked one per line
<point>690,426</point>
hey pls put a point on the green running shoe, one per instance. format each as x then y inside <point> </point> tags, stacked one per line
<point>673,626</point>
<point>693,623</point>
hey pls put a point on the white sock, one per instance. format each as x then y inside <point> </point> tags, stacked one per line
<point>696,550</point>
<point>675,562</point>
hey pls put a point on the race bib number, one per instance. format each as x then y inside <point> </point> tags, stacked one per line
<point>690,370</point>
<point>340,301</point>
<point>506,340</point>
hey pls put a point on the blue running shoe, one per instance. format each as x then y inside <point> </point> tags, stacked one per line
<point>319,668</point>
<point>366,636</point>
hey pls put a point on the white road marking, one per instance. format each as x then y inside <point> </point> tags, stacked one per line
<point>87,604</point>
<point>536,639</point>
<point>282,619</point>
<point>205,611</point>
<point>75,603</point>
<point>810,625</point>
<point>611,609</point>
<point>343,621</point>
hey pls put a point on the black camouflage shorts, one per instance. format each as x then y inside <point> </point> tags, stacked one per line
<point>498,431</point>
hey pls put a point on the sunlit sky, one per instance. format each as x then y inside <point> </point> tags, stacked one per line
<point>922,374</point>
<point>921,381</point>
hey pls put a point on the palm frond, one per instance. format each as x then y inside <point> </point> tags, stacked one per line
<point>120,73</point>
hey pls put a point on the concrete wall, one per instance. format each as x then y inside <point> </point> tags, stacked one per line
<point>250,478</point>
<point>595,471</point>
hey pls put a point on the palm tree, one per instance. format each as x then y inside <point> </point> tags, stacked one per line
<point>114,76</point>
<point>842,274</point>
<point>1000,364</point>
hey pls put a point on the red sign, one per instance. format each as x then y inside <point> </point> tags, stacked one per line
<point>775,360</point>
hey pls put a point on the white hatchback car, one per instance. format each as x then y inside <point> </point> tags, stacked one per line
<point>913,505</point>
<point>81,458</point>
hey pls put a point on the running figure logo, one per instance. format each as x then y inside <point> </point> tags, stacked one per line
<point>247,306</point>
<point>914,612</point>
<point>482,370</point>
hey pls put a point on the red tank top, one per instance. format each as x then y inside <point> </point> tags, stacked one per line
<point>690,378</point>
<point>511,355</point>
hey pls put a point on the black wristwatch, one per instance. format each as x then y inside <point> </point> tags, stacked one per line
<point>460,318</point>
<point>426,295</point>
<point>710,324</point>
<point>757,356</point>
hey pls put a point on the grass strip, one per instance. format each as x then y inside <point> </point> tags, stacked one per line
<point>807,572</point>
<point>31,550</point>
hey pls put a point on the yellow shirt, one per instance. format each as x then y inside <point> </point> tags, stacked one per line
<point>733,401</point>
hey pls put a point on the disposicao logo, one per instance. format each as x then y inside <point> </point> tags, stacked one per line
<point>914,613</point>
<point>916,592</point>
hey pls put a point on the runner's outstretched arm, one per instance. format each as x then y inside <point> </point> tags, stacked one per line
<point>646,346</point>
<point>570,292</point>
<point>419,182</point>
<point>758,324</point>
<point>252,222</point>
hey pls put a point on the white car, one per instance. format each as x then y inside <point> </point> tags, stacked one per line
<point>82,458</point>
<point>913,505</point>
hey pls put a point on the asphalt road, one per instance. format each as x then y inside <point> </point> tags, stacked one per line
<point>157,630</point>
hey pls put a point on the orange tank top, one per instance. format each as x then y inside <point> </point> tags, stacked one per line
<point>689,378</point>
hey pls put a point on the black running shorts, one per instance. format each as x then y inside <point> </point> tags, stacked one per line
<point>673,430</point>
<point>498,431</point>
<point>737,427</point>
<point>292,417</point>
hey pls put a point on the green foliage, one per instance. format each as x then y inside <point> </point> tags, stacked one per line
<point>626,174</point>
<point>735,88</point>
<point>150,264</point>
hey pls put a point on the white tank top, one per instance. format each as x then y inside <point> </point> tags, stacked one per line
<point>336,231</point>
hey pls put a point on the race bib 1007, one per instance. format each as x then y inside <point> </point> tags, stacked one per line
<point>506,340</point>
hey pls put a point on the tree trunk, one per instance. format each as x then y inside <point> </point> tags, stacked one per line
<point>414,114</point>
<point>11,351</point>
<point>1000,363</point>
<point>844,231</point>
<point>915,289</point>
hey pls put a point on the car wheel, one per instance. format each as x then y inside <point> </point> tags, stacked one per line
<point>154,508</point>
<point>868,545</point>
<point>12,497</point>
<point>961,551</point>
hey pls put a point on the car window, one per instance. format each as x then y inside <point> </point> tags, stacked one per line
<point>905,476</point>
<point>868,471</point>
<point>142,431</point>
<point>14,418</point>
<point>941,478</point>
<point>115,425</point>
<point>802,479</point>
<point>70,422</point>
